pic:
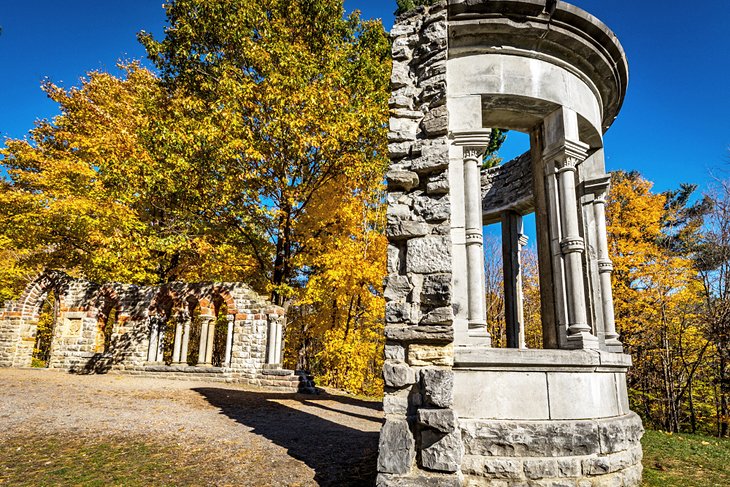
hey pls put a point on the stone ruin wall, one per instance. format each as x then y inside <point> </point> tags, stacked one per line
<point>420,426</point>
<point>81,303</point>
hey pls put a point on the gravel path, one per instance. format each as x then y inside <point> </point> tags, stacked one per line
<point>245,436</point>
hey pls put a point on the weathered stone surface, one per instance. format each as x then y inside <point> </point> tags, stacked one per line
<point>438,316</point>
<point>620,433</point>
<point>397,447</point>
<point>429,255</point>
<point>396,259</point>
<point>398,375</point>
<point>397,312</point>
<point>407,229</point>
<point>433,209</point>
<point>422,479</point>
<point>438,385</point>
<point>395,351</point>
<point>436,290</point>
<point>540,468</point>
<point>440,452</point>
<point>400,75</point>
<point>493,467</point>
<point>405,180</point>
<point>396,404</point>
<point>422,334</point>
<point>443,420</point>
<point>397,287</point>
<point>530,439</point>
<point>438,184</point>
<point>433,158</point>
<point>431,355</point>
<point>436,122</point>
<point>397,213</point>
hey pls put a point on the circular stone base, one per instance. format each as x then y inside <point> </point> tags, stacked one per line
<point>582,453</point>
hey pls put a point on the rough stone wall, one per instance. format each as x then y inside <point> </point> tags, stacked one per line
<point>419,438</point>
<point>507,187</point>
<point>75,344</point>
<point>601,453</point>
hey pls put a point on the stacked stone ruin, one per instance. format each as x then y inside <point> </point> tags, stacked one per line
<point>253,338</point>
<point>457,410</point>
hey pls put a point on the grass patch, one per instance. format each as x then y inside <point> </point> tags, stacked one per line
<point>685,460</point>
<point>108,461</point>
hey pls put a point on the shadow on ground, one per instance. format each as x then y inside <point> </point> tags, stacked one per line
<point>335,436</point>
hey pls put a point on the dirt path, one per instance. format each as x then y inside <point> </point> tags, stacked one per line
<point>222,434</point>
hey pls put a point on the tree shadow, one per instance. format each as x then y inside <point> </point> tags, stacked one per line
<point>339,442</point>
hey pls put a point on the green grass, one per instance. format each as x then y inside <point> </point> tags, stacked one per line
<point>91,462</point>
<point>685,460</point>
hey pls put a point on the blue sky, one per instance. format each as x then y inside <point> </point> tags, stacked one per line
<point>674,127</point>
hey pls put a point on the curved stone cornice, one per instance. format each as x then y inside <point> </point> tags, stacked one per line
<point>568,37</point>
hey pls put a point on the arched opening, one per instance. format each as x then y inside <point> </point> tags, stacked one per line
<point>220,307</point>
<point>196,323</point>
<point>45,328</point>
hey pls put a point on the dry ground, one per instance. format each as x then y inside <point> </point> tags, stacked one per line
<point>62,429</point>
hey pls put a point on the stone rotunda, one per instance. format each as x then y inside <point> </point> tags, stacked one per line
<point>458,411</point>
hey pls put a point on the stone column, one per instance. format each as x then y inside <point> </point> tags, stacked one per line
<point>209,343</point>
<point>229,342</point>
<point>271,342</point>
<point>512,242</point>
<point>474,144</point>
<point>279,343</point>
<point>605,266</point>
<point>177,346</point>
<point>154,338</point>
<point>566,152</point>
<point>203,340</point>
<point>185,342</point>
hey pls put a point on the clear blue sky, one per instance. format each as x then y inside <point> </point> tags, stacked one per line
<point>674,127</point>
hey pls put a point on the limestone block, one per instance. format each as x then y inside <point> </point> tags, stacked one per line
<point>569,467</point>
<point>438,385</point>
<point>529,439</point>
<point>400,149</point>
<point>492,467</point>
<point>436,290</point>
<point>425,355</point>
<point>394,259</point>
<point>428,255</point>
<point>396,403</point>
<point>540,468</point>
<point>407,229</point>
<point>443,420</point>
<point>396,447</point>
<point>620,433</point>
<point>399,179</point>
<point>395,351</point>
<point>439,452</point>
<point>433,209</point>
<point>397,312</point>
<point>433,158</point>
<point>439,316</point>
<point>421,333</point>
<point>397,213</point>
<point>438,184</point>
<point>398,375</point>
<point>436,122</point>
<point>400,75</point>
<point>421,480</point>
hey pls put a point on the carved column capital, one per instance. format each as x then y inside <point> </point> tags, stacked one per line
<point>599,187</point>
<point>567,154</point>
<point>474,142</point>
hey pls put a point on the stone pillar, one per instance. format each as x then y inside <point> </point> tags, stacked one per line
<point>154,339</point>
<point>513,240</point>
<point>177,346</point>
<point>185,342</point>
<point>474,144</point>
<point>567,152</point>
<point>600,188</point>
<point>271,342</point>
<point>202,349</point>
<point>279,343</point>
<point>209,343</point>
<point>229,342</point>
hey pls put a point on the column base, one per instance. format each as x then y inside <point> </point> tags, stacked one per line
<point>582,341</point>
<point>614,345</point>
